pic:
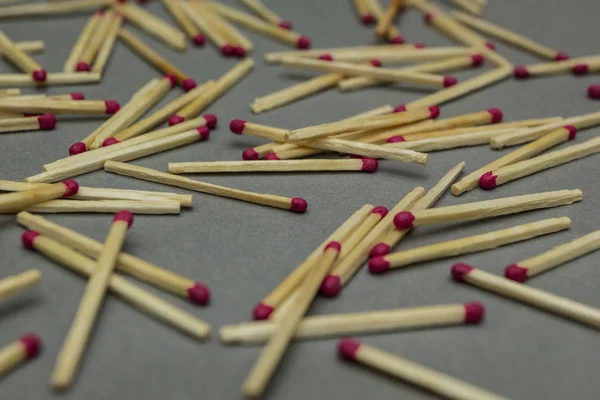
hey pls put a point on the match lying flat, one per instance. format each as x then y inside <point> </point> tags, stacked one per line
<point>43,122</point>
<point>552,68</point>
<point>404,54</point>
<point>364,165</point>
<point>259,8</point>
<point>52,79</point>
<point>276,57</point>
<point>107,206</point>
<point>82,41</point>
<point>17,283</point>
<point>17,201</point>
<point>154,26</point>
<point>18,352</point>
<point>43,105</point>
<point>52,8</point>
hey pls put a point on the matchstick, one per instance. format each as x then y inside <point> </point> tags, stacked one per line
<point>17,283</point>
<point>52,79</point>
<point>82,41</point>
<point>94,42</point>
<point>52,8</point>
<point>363,12</point>
<point>359,233</point>
<point>74,345</point>
<point>204,98</point>
<point>45,105</point>
<point>108,44</point>
<point>394,236</point>
<point>240,127</point>
<point>43,122</point>
<point>416,374</point>
<point>183,20</point>
<point>164,279</point>
<point>259,8</point>
<point>243,44</point>
<point>403,54</point>
<point>297,204</point>
<point>543,162</point>
<point>486,209</point>
<point>236,43</point>
<point>509,37</point>
<point>324,326</point>
<point>471,6</point>
<point>9,92</point>
<point>123,153</point>
<point>288,286</point>
<point>553,68</point>
<point>14,202</point>
<point>202,19</point>
<point>393,36</point>
<point>468,245</point>
<point>154,26</point>
<point>554,257</point>
<point>358,165</point>
<point>31,46</point>
<point>106,206</point>
<point>155,59</point>
<point>526,294</point>
<point>21,59</point>
<point>16,353</point>
<point>276,57</point>
<point>342,272</point>
<point>588,67</point>
<point>140,298</point>
<point>387,19</point>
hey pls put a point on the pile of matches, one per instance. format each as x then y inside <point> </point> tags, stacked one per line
<point>405,134</point>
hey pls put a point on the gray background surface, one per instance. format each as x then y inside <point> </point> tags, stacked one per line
<point>243,250</point>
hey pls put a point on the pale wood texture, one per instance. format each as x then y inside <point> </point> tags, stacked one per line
<point>108,44</point>
<point>387,19</point>
<point>52,8</point>
<point>202,20</point>
<point>471,6</point>
<point>12,356</point>
<point>259,8</point>
<point>359,233</point>
<point>10,92</point>
<point>405,55</point>
<point>265,166</point>
<point>154,26</point>
<point>107,206</point>
<point>92,47</point>
<point>82,41</point>
<point>17,283</point>
<point>17,56</point>
<point>264,131</point>
<point>31,46</point>
<point>361,8</point>
<point>19,124</point>
<point>378,12</point>
<point>276,57</point>
<point>17,201</point>
<point>52,79</point>
<point>476,138</point>
<point>554,68</point>
<point>178,13</point>
<point>45,105</point>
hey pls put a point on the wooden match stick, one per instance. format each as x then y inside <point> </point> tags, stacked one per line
<point>9,92</point>
<point>154,26</point>
<point>236,43</point>
<point>394,236</point>
<point>178,13</point>
<point>155,59</point>
<point>359,165</point>
<point>393,35</point>
<point>240,127</point>
<point>31,46</point>
<point>276,57</point>
<point>387,19</point>
<point>106,206</point>
<point>95,41</point>
<point>486,209</point>
<point>383,74</point>
<point>369,322</point>
<point>16,353</point>
<point>554,257</point>
<point>202,19</point>
<point>273,31</point>
<point>403,54</point>
<point>243,44</point>
<point>296,204</point>
<point>17,283</point>
<point>158,277</point>
<point>52,8</point>
<point>533,165</point>
<point>259,8</point>
<point>45,105</point>
<point>363,12</point>
<point>82,41</point>
<point>109,42</point>
<point>21,59</point>
<point>359,233</point>
<point>414,373</point>
<point>343,271</point>
<point>526,294</point>
<point>74,345</point>
<point>471,6</point>
<point>43,122</point>
<point>123,153</point>
<point>509,37</point>
<point>140,298</point>
<point>59,78</point>
<point>15,202</point>
<point>205,98</point>
<point>288,286</point>
<point>553,68</point>
<point>468,245</point>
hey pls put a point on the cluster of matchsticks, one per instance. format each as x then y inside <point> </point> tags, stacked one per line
<point>404,133</point>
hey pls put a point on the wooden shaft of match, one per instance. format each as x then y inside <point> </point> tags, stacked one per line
<point>386,20</point>
<point>82,41</point>
<point>471,6</point>
<point>9,92</point>
<point>92,47</point>
<point>202,20</point>
<point>19,124</point>
<point>359,233</point>
<point>58,79</point>
<point>361,8</point>
<point>109,41</point>
<point>416,374</point>
<point>12,356</point>
<point>183,20</point>
<point>267,166</point>
<point>323,326</point>
<point>141,299</point>
<point>378,12</point>
<point>133,266</point>
<point>17,283</point>
<point>154,26</point>
<point>526,294</point>
<point>39,106</point>
<point>406,55</point>
<point>559,255</point>
<point>258,7</point>
<point>231,33</point>
<point>276,57</point>
<point>17,201</point>
<point>52,8</point>
<point>17,56</point>
<point>107,206</point>
<point>31,46</point>
<point>369,150</point>
<point>550,68</point>
<point>73,347</point>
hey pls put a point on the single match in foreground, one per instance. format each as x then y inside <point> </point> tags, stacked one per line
<point>364,165</point>
<point>16,353</point>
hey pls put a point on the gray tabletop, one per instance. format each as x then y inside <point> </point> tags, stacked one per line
<point>242,250</point>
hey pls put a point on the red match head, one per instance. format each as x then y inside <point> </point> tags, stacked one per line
<point>516,273</point>
<point>272,156</point>
<point>32,344</point>
<point>39,75</point>
<point>400,108</point>
<point>450,80</point>
<point>477,60</point>
<point>176,119</point>
<point>199,294</point>
<point>594,91</point>
<point>378,265</point>
<point>521,72</point>
<point>111,107</point>
<point>326,57</point>
<point>237,126</point>
<point>199,40</point>
<point>188,84</point>
<point>379,250</point>
<point>396,139</point>
<point>490,45</point>
<point>474,312</point>
<point>487,181</point>
<point>580,69</point>
<point>348,347</point>
<point>561,56</point>
<point>572,129</point>
<point>375,63</point>
<point>171,79</point>
<point>420,45</point>
<point>47,121</point>
<point>298,205</point>
<point>250,154</point>
<point>367,19</point>
<point>496,114</point>
<point>434,111</point>
<point>369,165</point>
<point>204,132</point>
<point>77,96</point>
<point>303,42</point>
<point>333,245</point>
<point>28,237</point>
<point>228,50</point>
<point>331,286</point>
<point>381,210</point>
<point>287,25</point>
<point>398,39</point>
<point>404,220</point>
<point>459,270</point>
<point>427,18</point>
<point>239,52</point>
<point>262,311</point>
<point>211,120</point>
<point>124,216</point>
<point>82,66</point>
<point>110,141</point>
<point>76,148</point>
<point>72,187</point>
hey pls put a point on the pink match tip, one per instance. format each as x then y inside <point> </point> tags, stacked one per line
<point>580,69</point>
<point>239,52</point>
<point>272,156</point>
<point>228,50</point>
<point>250,154</point>
<point>77,148</point>
<point>237,126</point>
<point>77,96</point>
<point>82,66</point>
<point>380,249</point>
<point>39,75</point>
<point>434,111</point>
<point>287,25</point>
<point>474,312</point>
<point>262,311</point>
<point>420,45</point>
<point>561,56</point>
<point>404,220</point>
<point>594,91</point>
<point>333,245</point>
<point>496,114</point>
<point>490,45</point>
<point>211,120</point>
<point>204,132</point>
<point>298,205</point>
<point>171,78</point>
<point>124,216</point>
<point>375,63</point>
<point>477,60</point>
<point>381,210</point>
<point>199,294</point>
<point>32,344</point>
<point>400,108</point>
<point>199,40</point>
<point>188,84</point>
<point>516,273</point>
<point>378,265</point>
<point>450,80</point>
<point>331,286</point>
<point>348,347</point>
<point>428,18</point>
<point>47,121</point>
<point>459,270</point>
<point>572,129</point>
<point>176,119</point>
<point>487,181</point>
<point>72,187</point>
<point>303,42</point>
<point>367,19</point>
<point>369,165</point>
<point>398,39</point>
<point>110,141</point>
<point>521,72</point>
<point>326,57</point>
<point>28,237</point>
<point>396,139</point>
<point>111,107</point>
